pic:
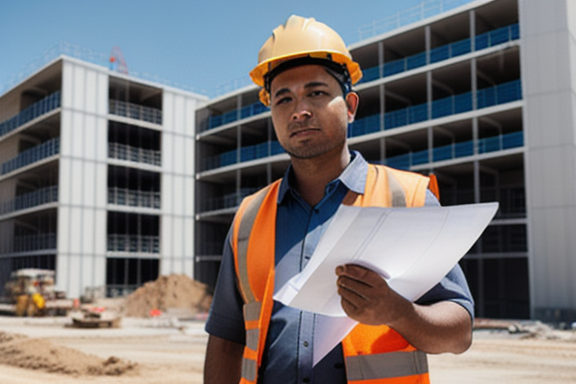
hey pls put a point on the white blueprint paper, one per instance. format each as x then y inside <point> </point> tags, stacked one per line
<point>413,249</point>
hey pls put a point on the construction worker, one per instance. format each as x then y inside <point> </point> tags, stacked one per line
<point>306,74</point>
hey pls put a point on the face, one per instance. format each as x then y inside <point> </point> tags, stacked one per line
<point>309,112</point>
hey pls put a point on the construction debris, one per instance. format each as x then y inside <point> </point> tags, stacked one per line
<point>97,317</point>
<point>526,329</point>
<point>176,295</point>
<point>40,354</point>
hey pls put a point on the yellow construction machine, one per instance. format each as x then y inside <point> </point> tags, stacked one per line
<point>31,292</point>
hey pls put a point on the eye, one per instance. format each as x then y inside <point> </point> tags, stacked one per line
<point>317,93</point>
<point>283,100</point>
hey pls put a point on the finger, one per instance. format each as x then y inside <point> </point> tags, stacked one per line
<point>361,274</point>
<point>350,288</point>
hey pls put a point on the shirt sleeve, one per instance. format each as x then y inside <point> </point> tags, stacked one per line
<point>226,319</point>
<point>453,287</point>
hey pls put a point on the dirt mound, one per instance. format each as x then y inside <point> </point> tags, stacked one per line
<point>39,354</point>
<point>168,292</point>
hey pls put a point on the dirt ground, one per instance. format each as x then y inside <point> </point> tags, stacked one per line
<point>166,350</point>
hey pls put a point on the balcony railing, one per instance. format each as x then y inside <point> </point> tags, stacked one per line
<point>37,242</point>
<point>243,154</point>
<point>230,200</point>
<point>133,243</point>
<point>47,104</point>
<point>32,155</point>
<point>133,198</point>
<point>134,154</point>
<point>135,111</point>
<point>30,200</point>
<point>457,150</point>
<point>235,115</point>
<point>487,97</point>
<point>445,52</point>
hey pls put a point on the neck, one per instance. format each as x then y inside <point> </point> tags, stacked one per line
<point>312,175</point>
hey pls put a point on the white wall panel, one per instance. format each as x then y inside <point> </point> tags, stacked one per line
<point>100,232</point>
<point>188,206</point>
<point>63,271</point>
<point>89,184</point>
<point>167,236</point>
<point>64,189</point>
<point>179,155</point>
<point>550,131</point>
<point>101,183</point>
<point>83,177</point>
<point>179,115</point>
<point>79,87</point>
<point>77,187</point>
<point>87,232</point>
<point>88,130</point>
<point>77,133</point>
<point>188,237</point>
<point>167,115</point>
<point>167,194</point>
<point>75,233</point>
<point>74,275</point>
<point>67,94</point>
<point>189,168</point>
<point>189,267</point>
<point>66,133</point>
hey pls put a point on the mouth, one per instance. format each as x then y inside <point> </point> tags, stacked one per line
<point>303,131</point>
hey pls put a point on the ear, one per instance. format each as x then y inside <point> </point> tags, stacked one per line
<point>352,101</point>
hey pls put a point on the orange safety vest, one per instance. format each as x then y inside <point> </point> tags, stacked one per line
<point>373,354</point>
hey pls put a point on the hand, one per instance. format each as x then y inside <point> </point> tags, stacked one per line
<point>367,297</point>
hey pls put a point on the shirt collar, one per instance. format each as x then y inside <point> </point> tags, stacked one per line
<point>353,176</point>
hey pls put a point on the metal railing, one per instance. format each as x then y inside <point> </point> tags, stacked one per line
<point>457,150</point>
<point>133,243</point>
<point>47,104</point>
<point>133,198</point>
<point>243,154</point>
<point>445,52</point>
<point>31,199</point>
<point>36,242</point>
<point>135,111</point>
<point>235,115</point>
<point>32,155</point>
<point>134,154</point>
<point>487,97</point>
<point>230,200</point>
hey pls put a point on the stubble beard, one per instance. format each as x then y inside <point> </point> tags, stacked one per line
<point>312,151</point>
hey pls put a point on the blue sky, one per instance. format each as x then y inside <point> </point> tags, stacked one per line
<point>201,44</point>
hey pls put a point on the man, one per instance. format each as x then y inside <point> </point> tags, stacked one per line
<point>306,73</point>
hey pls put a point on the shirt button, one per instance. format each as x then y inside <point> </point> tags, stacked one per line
<point>305,344</point>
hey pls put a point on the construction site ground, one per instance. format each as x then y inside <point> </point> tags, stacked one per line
<point>167,350</point>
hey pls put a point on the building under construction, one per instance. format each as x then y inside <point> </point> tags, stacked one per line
<point>111,180</point>
<point>96,177</point>
<point>483,96</point>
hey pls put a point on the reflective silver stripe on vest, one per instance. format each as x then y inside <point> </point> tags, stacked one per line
<point>252,311</point>
<point>396,190</point>
<point>386,365</point>
<point>252,338</point>
<point>244,230</point>
<point>249,369</point>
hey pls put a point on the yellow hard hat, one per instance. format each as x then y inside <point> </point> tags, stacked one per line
<point>300,37</point>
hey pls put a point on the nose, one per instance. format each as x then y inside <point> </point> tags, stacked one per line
<point>301,115</point>
<point>301,112</point>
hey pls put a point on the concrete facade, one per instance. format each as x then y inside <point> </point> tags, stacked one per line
<point>98,178</point>
<point>483,97</point>
<point>549,83</point>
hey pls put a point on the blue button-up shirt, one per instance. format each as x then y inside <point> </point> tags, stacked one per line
<point>288,357</point>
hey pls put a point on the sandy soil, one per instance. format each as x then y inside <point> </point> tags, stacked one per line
<point>151,351</point>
